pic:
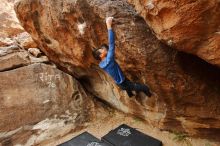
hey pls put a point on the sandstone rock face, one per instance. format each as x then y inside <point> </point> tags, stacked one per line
<point>24,40</point>
<point>9,23</point>
<point>186,88</point>
<point>13,57</point>
<point>11,32</point>
<point>189,26</point>
<point>38,102</point>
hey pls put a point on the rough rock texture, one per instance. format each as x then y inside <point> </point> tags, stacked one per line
<point>189,26</point>
<point>186,88</point>
<point>35,52</point>
<point>13,57</point>
<point>11,32</point>
<point>25,41</point>
<point>38,102</point>
<point>9,25</point>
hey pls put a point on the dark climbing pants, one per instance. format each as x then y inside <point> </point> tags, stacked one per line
<point>130,86</point>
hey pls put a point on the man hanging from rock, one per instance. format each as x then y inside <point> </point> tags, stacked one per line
<point>106,55</point>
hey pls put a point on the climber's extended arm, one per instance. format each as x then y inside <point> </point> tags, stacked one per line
<point>111,40</point>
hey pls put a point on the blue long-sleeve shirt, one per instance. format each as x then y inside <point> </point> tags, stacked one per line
<point>109,64</point>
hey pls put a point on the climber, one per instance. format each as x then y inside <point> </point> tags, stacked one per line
<point>106,55</point>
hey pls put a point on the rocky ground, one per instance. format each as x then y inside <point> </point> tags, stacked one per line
<point>113,118</point>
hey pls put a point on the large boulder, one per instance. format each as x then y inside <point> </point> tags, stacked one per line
<point>189,26</point>
<point>186,88</point>
<point>38,102</point>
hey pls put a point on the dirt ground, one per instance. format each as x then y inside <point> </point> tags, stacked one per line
<point>107,120</point>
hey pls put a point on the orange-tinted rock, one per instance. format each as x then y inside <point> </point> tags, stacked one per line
<point>187,88</point>
<point>189,26</point>
<point>9,25</point>
<point>11,32</point>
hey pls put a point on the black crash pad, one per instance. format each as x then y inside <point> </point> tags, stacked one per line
<point>127,136</point>
<point>84,139</point>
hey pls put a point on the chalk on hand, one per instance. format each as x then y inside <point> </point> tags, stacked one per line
<point>109,17</point>
<point>150,5</point>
